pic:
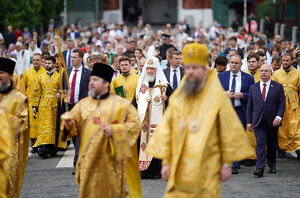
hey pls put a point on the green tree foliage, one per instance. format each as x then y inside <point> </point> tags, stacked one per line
<point>28,13</point>
<point>263,9</point>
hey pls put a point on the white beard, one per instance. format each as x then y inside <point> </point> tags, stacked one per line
<point>150,78</point>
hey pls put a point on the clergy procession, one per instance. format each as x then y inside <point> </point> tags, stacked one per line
<point>134,105</point>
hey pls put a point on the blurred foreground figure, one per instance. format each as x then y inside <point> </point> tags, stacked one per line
<point>14,103</point>
<point>200,134</point>
<point>107,126</point>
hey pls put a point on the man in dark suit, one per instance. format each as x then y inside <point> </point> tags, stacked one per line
<point>236,84</point>
<point>67,53</point>
<point>78,81</point>
<point>233,45</point>
<point>174,73</point>
<point>265,109</point>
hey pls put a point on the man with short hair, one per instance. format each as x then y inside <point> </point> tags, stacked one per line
<point>233,45</point>
<point>67,53</point>
<point>108,126</point>
<point>165,63</point>
<point>265,109</point>
<point>141,65</point>
<point>116,65</point>
<point>250,50</point>
<point>199,135</point>
<point>9,37</point>
<point>221,64</point>
<point>253,68</point>
<point>276,63</point>
<point>236,85</point>
<point>30,79</point>
<point>261,58</point>
<point>78,85</point>
<point>15,105</point>
<point>289,133</point>
<point>44,101</point>
<point>174,73</point>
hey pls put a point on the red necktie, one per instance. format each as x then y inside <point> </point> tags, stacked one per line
<point>72,100</point>
<point>263,93</point>
<point>116,73</point>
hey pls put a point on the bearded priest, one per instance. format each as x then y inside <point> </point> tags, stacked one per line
<point>151,99</point>
<point>200,135</point>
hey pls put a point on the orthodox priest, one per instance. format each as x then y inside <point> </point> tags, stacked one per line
<point>150,99</point>
<point>107,126</point>
<point>6,140</point>
<point>14,104</point>
<point>289,132</point>
<point>200,134</point>
<point>29,80</point>
<point>44,101</point>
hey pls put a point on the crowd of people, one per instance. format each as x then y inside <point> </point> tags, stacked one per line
<point>191,107</point>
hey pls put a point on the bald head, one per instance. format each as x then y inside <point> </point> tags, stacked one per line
<point>265,73</point>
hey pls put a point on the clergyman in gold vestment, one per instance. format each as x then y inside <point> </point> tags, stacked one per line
<point>200,135</point>
<point>107,126</point>
<point>29,80</point>
<point>6,142</point>
<point>289,132</point>
<point>44,101</point>
<point>14,104</point>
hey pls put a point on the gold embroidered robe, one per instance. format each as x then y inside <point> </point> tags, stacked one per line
<point>15,105</point>
<point>99,172</point>
<point>29,80</point>
<point>44,97</point>
<point>6,142</point>
<point>18,84</point>
<point>129,84</point>
<point>196,136</point>
<point>289,132</point>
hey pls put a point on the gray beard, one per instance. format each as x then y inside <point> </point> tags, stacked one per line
<point>94,94</point>
<point>192,87</point>
<point>4,86</point>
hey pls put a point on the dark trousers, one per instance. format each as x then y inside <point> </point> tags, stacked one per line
<point>265,135</point>
<point>75,141</point>
<point>240,112</point>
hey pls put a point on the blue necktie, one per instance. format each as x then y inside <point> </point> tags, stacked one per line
<point>174,80</point>
<point>69,59</point>
<point>233,86</point>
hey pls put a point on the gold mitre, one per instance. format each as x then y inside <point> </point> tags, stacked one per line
<point>195,53</point>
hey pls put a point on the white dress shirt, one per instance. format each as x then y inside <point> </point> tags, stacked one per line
<point>68,55</point>
<point>77,84</point>
<point>172,74</point>
<point>238,86</point>
<point>261,84</point>
<point>298,67</point>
